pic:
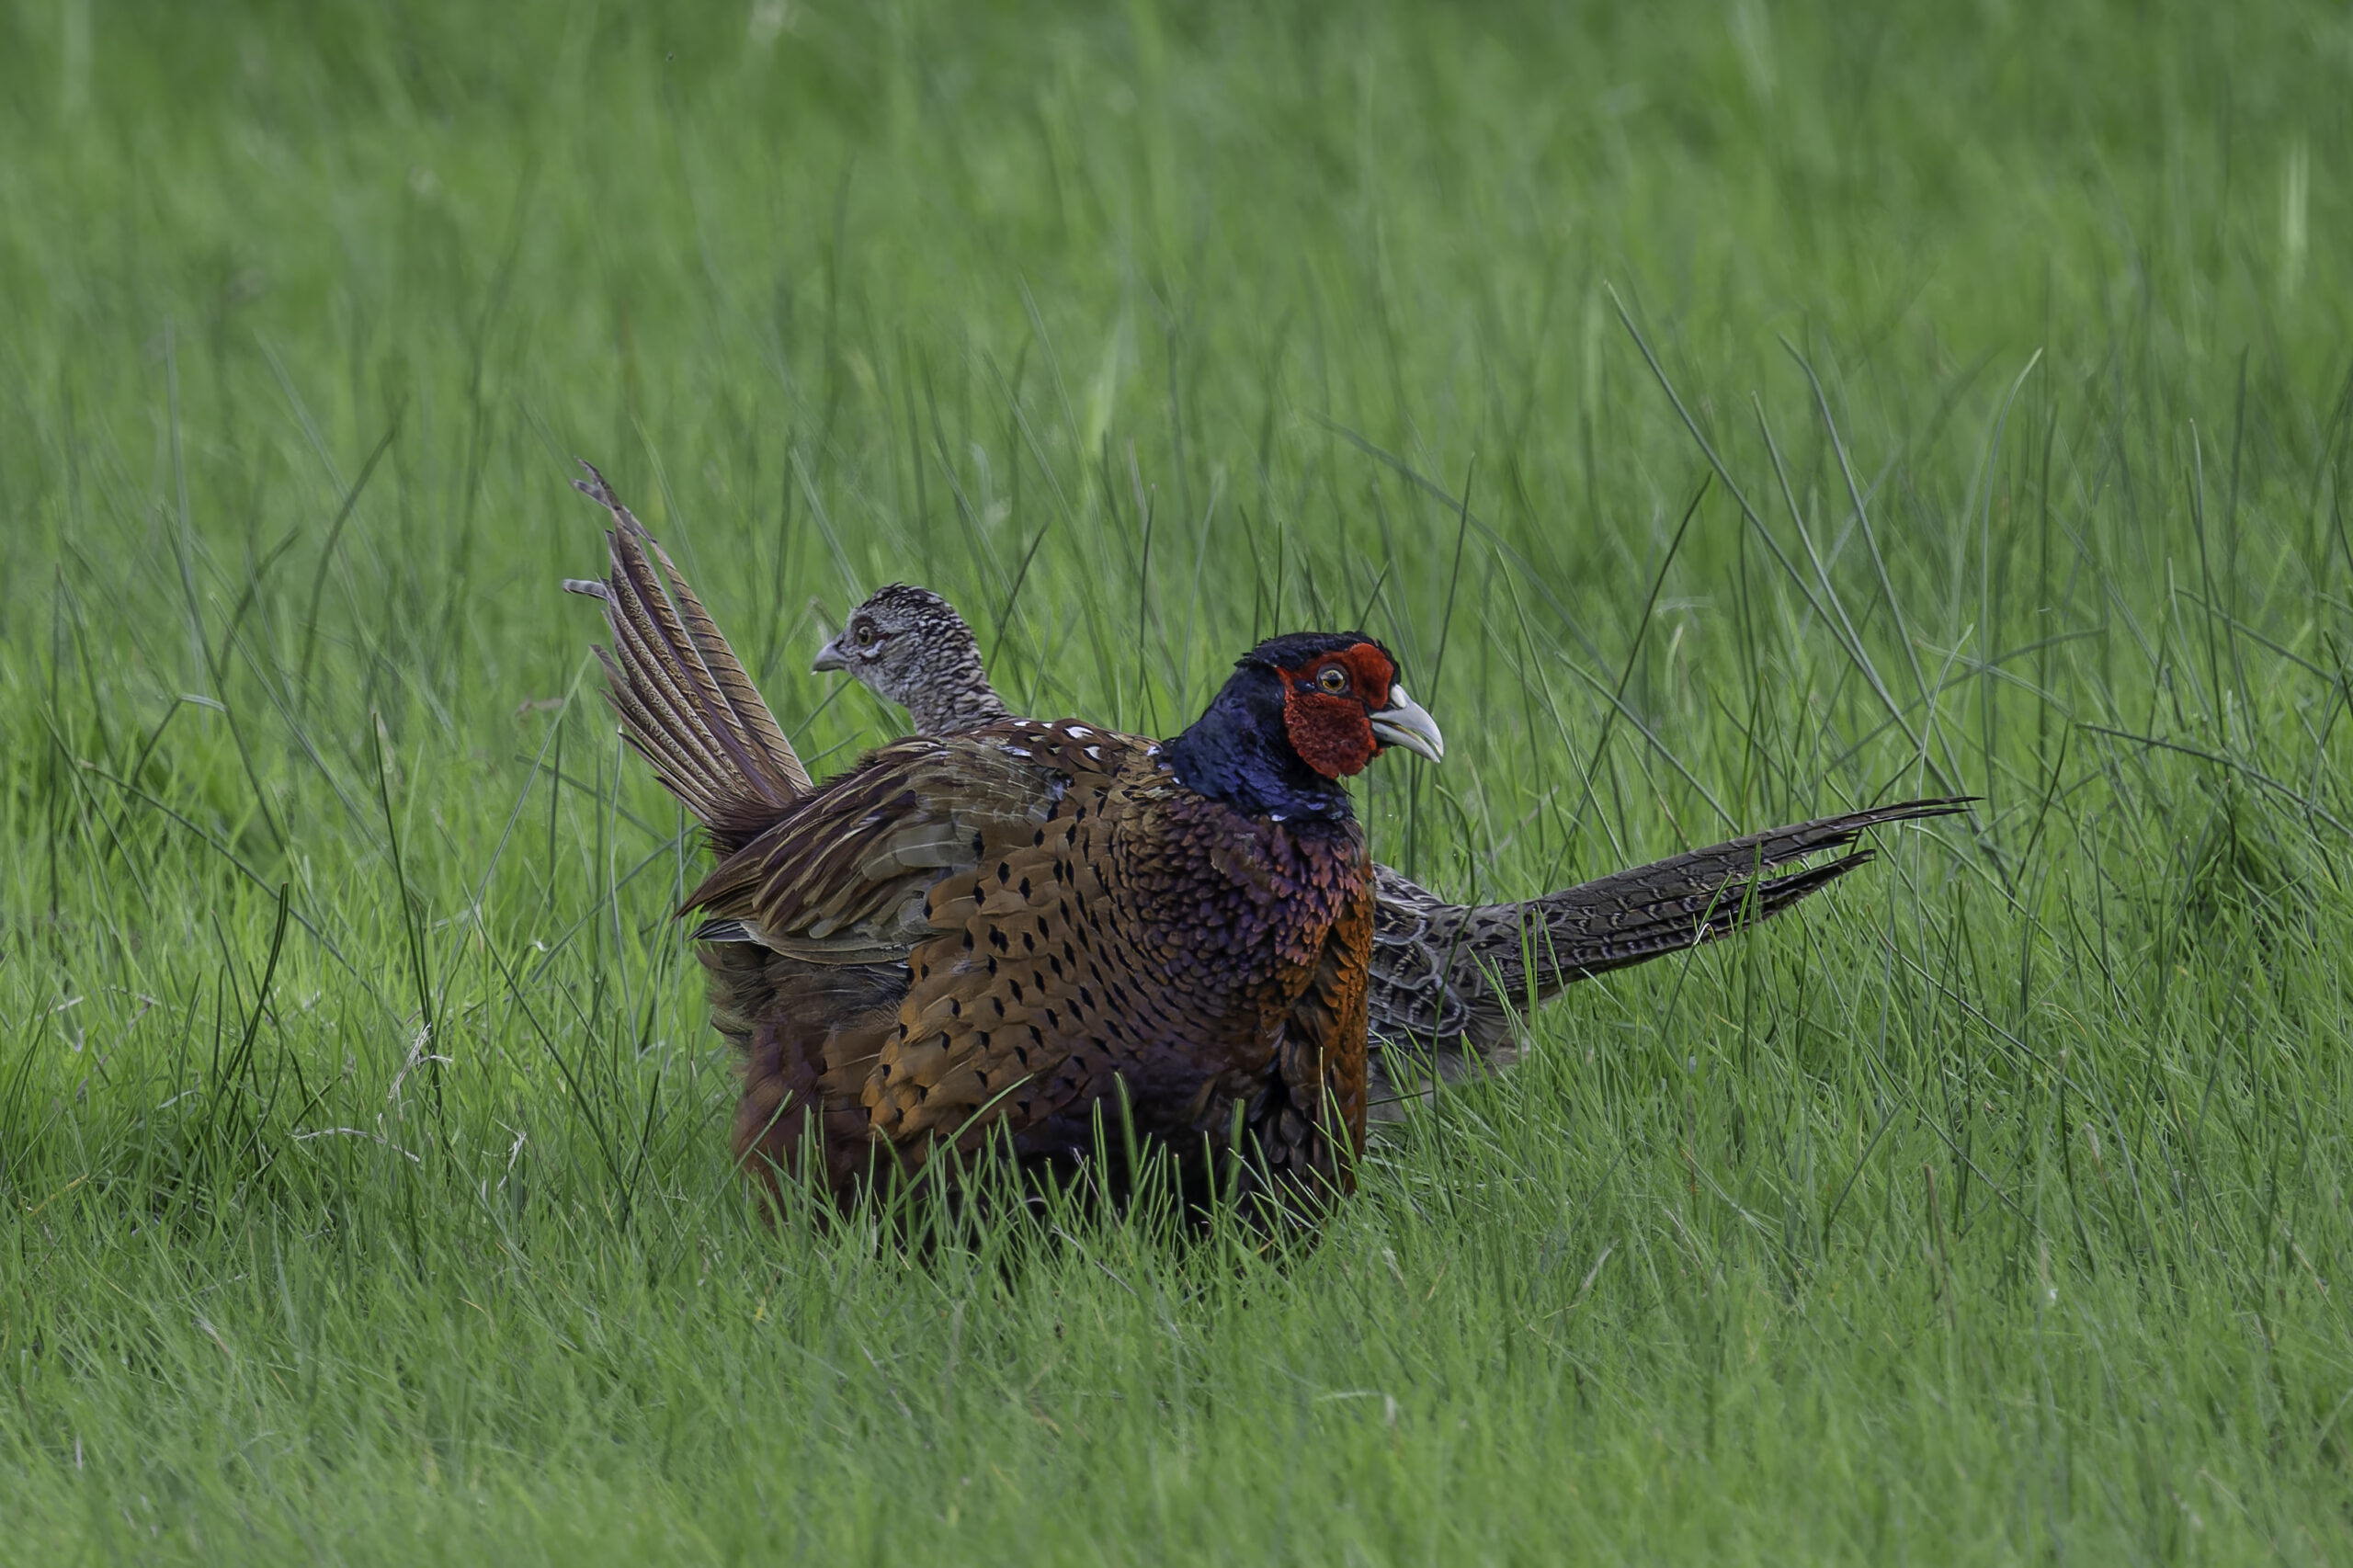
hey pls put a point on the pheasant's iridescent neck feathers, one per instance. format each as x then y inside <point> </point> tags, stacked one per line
<point>1240,754</point>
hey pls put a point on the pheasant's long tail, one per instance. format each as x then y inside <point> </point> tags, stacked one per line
<point>1635,915</point>
<point>684,700</point>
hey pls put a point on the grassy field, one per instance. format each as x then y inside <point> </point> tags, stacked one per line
<point>361,1136</point>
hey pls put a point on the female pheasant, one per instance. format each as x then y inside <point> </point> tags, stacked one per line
<point>1446,979</point>
<point>1003,933</point>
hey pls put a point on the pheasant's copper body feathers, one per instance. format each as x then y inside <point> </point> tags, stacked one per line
<point>1008,929</point>
<point>1446,980</point>
<point>999,934</point>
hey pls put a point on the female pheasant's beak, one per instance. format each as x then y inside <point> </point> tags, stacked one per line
<point>1405,723</point>
<point>831,657</point>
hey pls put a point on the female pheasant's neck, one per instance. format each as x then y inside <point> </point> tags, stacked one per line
<point>1237,754</point>
<point>957,699</point>
<point>957,711</point>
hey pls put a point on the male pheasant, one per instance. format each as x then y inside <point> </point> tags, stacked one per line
<point>1446,979</point>
<point>1001,934</point>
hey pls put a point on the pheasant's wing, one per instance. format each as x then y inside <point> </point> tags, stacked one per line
<point>1030,1002</point>
<point>971,869</point>
<point>684,700</point>
<point>848,876</point>
<point>1442,971</point>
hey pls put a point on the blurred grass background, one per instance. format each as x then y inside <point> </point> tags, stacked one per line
<point>361,1132</point>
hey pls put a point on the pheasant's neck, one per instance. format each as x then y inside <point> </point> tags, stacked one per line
<point>1236,753</point>
<point>955,711</point>
<point>950,697</point>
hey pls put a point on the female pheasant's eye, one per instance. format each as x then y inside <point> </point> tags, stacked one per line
<point>865,635</point>
<point>1332,679</point>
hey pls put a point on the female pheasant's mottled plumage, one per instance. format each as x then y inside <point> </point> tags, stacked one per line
<point>1447,982</point>
<point>998,934</point>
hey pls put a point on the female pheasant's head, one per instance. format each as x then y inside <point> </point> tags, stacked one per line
<point>1299,714</point>
<point>908,646</point>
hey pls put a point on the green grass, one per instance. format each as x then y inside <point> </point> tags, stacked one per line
<point>361,1138</point>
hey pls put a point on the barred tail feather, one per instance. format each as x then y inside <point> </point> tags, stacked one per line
<point>1638,914</point>
<point>683,698</point>
<point>1453,977</point>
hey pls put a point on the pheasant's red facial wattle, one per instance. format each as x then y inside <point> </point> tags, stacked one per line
<point>1328,704</point>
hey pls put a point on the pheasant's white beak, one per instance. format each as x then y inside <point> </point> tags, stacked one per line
<point>831,657</point>
<point>1405,723</point>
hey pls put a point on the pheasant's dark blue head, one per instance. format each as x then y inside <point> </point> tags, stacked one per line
<point>1299,714</point>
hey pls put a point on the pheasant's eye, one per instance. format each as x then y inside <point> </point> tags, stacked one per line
<point>1332,679</point>
<point>865,635</point>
